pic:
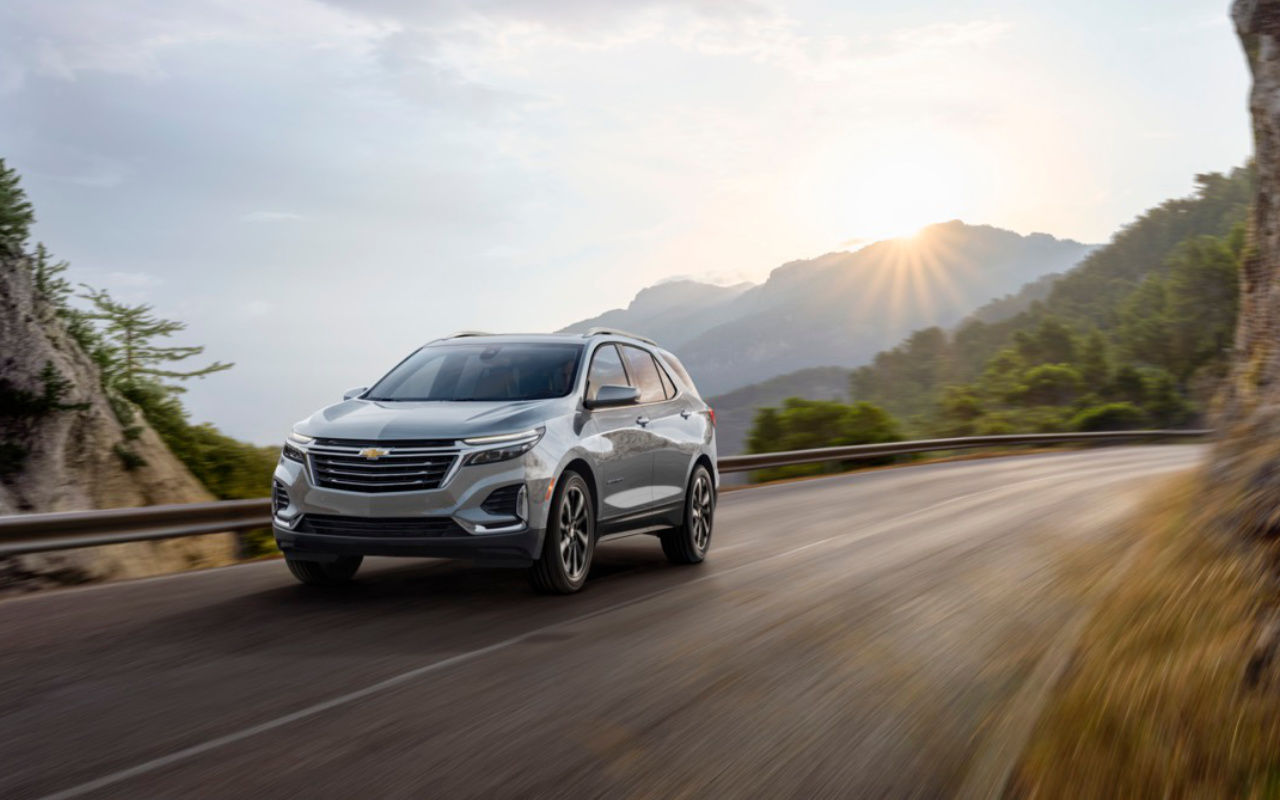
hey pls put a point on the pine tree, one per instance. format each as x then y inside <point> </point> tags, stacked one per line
<point>16,214</point>
<point>129,355</point>
<point>46,274</point>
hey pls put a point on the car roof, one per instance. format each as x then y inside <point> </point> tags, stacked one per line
<point>567,338</point>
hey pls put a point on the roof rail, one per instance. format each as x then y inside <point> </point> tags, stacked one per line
<point>465,334</point>
<point>616,332</point>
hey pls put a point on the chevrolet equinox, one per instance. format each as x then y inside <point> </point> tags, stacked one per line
<point>512,450</point>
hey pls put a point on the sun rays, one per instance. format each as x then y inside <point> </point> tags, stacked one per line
<point>918,275</point>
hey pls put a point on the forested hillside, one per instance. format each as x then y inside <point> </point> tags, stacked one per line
<point>1137,335</point>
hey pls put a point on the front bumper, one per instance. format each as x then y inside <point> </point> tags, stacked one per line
<point>476,534</point>
<point>500,549</point>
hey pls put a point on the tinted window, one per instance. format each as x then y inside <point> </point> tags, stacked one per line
<point>679,370</point>
<point>606,368</point>
<point>478,371</point>
<point>644,374</point>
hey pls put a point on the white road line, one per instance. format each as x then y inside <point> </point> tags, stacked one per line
<point>405,677</point>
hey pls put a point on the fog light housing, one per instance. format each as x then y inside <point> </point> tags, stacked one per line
<point>522,504</point>
<point>279,498</point>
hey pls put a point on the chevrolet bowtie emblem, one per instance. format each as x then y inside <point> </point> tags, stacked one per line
<point>372,453</point>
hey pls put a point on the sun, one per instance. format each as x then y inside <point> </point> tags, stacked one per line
<point>895,188</point>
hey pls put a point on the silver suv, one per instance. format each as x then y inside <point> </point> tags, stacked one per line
<point>513,450</point>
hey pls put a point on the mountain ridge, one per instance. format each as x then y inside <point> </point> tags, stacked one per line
<point>838,308</point>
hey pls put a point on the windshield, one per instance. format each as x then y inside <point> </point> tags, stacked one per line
<point>478,371</point>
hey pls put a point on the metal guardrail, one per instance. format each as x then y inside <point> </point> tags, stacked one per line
<point>857,452</point>
<point>36,533</point>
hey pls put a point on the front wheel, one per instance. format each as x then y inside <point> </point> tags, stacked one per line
<point>688,544</point>
<point>324,573</point>
<point>570,539</point>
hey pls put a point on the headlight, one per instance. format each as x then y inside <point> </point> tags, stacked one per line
<point>301,438</point>
<point>504,446</point>
<point>293,454</point>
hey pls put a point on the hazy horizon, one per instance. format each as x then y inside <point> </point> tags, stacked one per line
<point>265,173</point>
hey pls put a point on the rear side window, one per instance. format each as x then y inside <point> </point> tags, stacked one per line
<point>606,368</point>
<point>667,385</point>
<point>644,374</point>
<point>679,370</point>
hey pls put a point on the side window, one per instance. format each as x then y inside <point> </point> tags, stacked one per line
<point>680,371</point>
<point>644,374</point>
<point>667,385</point>
<point>606,368</point>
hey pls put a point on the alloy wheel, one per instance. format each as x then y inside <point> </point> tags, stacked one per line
<point>701,510</point>
<point>573,532</point>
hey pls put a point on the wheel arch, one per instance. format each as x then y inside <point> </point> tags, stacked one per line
<point>583,467</point>
<point>706,461</point>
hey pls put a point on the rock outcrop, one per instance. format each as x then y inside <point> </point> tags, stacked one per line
<point>1247,459</point>
<point>64,449</point>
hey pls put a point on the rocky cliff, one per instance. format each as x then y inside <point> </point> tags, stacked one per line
<point>1247,459</point>
<point>63,447</point>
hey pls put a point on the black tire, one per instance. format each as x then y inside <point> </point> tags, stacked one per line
<point>570,541</point>
<point>688,544</point>
<point>325,573</point>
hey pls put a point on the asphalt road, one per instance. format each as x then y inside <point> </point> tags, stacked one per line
<point>864,635</point>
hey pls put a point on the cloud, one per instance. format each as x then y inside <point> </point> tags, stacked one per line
<point>270,216</point>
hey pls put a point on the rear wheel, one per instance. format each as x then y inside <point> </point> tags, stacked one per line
<point>324,573</point>
<point>570,541</point>
<point>688,544</point>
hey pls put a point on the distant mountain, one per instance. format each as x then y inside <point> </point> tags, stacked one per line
<point>841,308</point>
<point>680,310</point>
<point>1011,305</point>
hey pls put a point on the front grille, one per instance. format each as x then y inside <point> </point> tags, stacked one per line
<point>385,527</point>
<point>502,502</point>
<point>401,469</point>
<point>361,443</point>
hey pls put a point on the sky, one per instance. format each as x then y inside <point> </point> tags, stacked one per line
<point>319,186</point>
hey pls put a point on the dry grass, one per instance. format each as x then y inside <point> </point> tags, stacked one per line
<point>1157,701</point>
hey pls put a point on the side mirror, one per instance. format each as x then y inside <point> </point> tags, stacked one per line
<point>611,395</point>
<point>356,392</point>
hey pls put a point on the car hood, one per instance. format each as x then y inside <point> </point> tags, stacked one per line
<point>377,420</point>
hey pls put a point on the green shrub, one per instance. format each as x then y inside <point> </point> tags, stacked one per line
<point>1110,417</point>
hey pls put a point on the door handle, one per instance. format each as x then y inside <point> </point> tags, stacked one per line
<point>642,421</point>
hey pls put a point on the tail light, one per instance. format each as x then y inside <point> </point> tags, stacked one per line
<point>711,414</point>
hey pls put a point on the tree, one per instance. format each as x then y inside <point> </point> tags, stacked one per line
<point>1164,404</point>
<point>1050,343</point>
<point>1095,361</point>
<point>801,424</point>
<point>766,431</point>
<point>16,214</point>
<point>1050,385</point>
<point>1144,326</point>
<point>129,355</point>
<point>1127,385</point>
<point>959,408</point>
<point>1202,302</point>
<point>46,275</point>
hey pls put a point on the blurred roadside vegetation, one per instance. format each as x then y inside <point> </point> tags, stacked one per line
<point>1138,335</point>
<point>141,375</point>
<point>803,424</point>
<point>1172,688</point>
